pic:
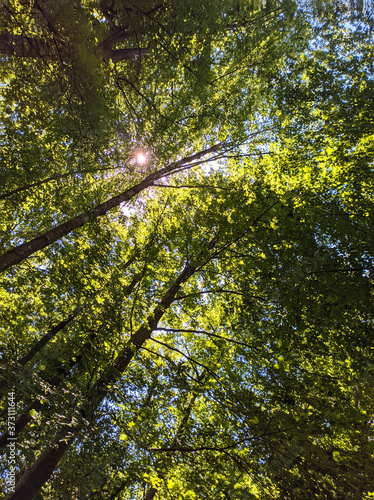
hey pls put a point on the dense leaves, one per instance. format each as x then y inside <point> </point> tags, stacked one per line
<point>206,329</point>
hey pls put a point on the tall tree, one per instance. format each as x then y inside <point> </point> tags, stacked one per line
<point>254,267</point>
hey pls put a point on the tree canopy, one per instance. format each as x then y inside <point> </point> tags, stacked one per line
<point>186,249</point>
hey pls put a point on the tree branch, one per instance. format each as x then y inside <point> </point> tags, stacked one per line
<point>23,251</point>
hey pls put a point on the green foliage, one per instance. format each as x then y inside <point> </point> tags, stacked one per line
<point>246,276</point>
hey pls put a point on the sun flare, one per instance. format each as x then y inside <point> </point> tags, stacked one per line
<point>141,158</point>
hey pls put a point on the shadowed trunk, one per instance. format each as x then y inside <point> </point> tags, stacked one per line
<point>42,469</point>
<point>23,251</point>
<point>48,336</point>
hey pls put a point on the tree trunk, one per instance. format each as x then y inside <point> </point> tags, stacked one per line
<point>53,332</point>
<point>48,336</point>
<point>23,251</point>
<point>62,373</point>
<point>44,466</point>
<point>43,341</point>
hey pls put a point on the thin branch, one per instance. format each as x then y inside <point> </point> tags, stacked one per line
<point>201,186</point>
<point>220,290</point>
<point>243,233</point>
<point>158,354</point>
<point>209,334</point>
<point>192,360</point>
<point>202,448</point>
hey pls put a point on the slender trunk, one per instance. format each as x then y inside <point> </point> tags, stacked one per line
<point>62,374</point>
<point>23,251</point>
<point>114,371</point>
<point>44,466</point>
<point>53,332</point>
<point>43,341</point>
<point>48,336</point>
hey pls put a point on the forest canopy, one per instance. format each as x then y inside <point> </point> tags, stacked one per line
<point>186,249</point>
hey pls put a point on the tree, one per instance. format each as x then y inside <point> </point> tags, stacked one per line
<point>213,336</point>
